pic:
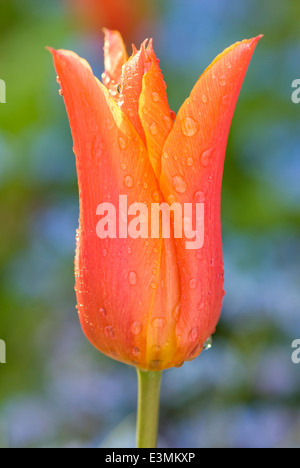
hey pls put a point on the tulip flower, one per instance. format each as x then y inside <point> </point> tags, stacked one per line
<point>125,15</point>
<point>150,302</point>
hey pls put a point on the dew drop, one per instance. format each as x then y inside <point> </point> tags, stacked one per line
<point>135,351</point>
<point>136,328</point>
<point>189,162</point>
<point>205,158</point>
<point>155,97</point>
<point>193,283</point>
<point>208,344</point>
<point>153,129</point>
<point>189,126</point>
<point>109,332</point>
<point>199,196</point>
<point>128,181</point>
<point>204,98</point>
<point>195,352</point>
<point>102,311</point>
<point>179,184</point>
<point>122,143</point>
<point>165,155</point>
<point>153,285</point>
<point>159,322</point>
<point>179,364</point>
<point>193,335</point>
<point>156,196</point>
<point>223,81</point>
<point>171,199</point>
<point>156,348</point>
<point>132,278</point>
<point>176,312</point>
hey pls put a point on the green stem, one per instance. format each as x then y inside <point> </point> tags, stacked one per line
<point>148,408</point>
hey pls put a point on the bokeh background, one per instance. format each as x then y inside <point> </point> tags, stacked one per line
<point>56,390</point>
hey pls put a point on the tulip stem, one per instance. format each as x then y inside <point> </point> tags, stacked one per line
<point>148,408</point>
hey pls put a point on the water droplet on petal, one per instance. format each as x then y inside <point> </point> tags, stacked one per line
<point>155,97</point>
<point>109,332</point>
<point>204,98</point>
<point>223,81</point>
<point>156,348</point>
<point>135,351</point>
<point>165,155</point>
<point>122,143</point>
<point>153,129</point>
<point>102,311</point>
<point>153,285</point>
<point>208,344</point>
<point>128,181</point>
<point>199,196</point>
<point>189,126</point>
<point>205,158</point>
<point>171,199</point>
<point>176,312</point>
<point>159,322</point>
<point>190,162</point>
<point>136,328</point>
<point>179,364</point>
<point>156,196</point>
<point>193,335</point>
<point>179,184</point>
<point>193,283</point>
<point>197,350</point>
<point>132,278</point>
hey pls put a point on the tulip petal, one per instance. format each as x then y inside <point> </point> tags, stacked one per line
<point>118,281</point>
<point>154,111</point>
<point>192,168</point>
<point>131,87</point>
<point>115,56</point>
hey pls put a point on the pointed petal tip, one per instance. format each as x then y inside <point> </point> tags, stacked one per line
<point>50,49</point>
<point>255,40</point>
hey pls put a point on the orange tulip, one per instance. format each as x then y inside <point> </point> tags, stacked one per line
<point>149,302</point>
<point>125,15</point>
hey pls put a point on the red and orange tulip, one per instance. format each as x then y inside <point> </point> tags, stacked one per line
<point>124,15</point>
<point>150,302</point>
